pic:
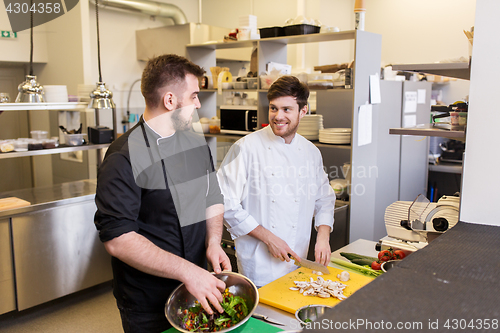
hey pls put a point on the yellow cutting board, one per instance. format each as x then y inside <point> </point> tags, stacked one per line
<point>12,202</point>
<point>278,294</point>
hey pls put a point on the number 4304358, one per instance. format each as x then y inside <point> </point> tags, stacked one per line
<point>41,8</point>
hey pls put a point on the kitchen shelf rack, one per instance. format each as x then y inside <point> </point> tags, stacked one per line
<point>443,131</point>
<point>339,107</point>
<point>70,106</point>
<point>458,70</point>
<point>446,167</point>
<point>50,151</point>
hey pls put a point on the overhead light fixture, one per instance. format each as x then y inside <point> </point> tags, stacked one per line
<point>101,97</point>
<point>30,91</point>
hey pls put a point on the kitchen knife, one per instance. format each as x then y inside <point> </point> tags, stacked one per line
<point>311,265</point>
<point>266,318</point>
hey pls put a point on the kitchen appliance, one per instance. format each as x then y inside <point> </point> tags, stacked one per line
<point>238,119</point>
<point>279,295</point>
<point>100,134</point>
<point>412,225</point>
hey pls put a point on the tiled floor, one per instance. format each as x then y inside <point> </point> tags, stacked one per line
<point>90,311</point>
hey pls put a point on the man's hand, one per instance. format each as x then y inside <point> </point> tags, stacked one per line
<point>322,250</point>
<point>218,258</point>
<point>277,247</point>
<point>206,288</point>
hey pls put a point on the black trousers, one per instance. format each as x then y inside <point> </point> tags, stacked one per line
<point>143,322</point>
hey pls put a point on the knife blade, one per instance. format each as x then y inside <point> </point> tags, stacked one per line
<point>311,265</point>
<point>266,318</point>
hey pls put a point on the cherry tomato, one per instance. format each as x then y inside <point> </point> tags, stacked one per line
<point>376,265</point>
<point>398,254</point>
<point>385,255</point>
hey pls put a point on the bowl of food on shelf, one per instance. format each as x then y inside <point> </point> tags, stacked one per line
<point>240,299</point>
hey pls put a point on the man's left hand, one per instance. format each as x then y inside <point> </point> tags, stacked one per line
<point>322,250</point>
<point>218,259</point>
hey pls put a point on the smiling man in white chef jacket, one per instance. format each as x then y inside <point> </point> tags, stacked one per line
<point>273,184</point>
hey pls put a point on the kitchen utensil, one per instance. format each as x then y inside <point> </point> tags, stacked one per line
<point>310,313</point>
<point>279,295</point>
<point>311,265</point>
<point>266,318</point>
<point>238,285</point>
<point>12,202</point>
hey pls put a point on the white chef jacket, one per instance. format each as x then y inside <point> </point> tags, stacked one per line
<point>279,186</point>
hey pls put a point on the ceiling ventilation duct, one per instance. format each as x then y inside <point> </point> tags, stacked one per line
<point>150,8</point>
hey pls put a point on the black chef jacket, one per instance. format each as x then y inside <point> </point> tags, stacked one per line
<point>124,206</point>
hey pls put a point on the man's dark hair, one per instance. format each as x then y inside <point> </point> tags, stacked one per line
<point>289,86</point>
<point>168,69</point>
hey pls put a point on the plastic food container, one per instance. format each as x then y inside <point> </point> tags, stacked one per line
<point>50,143</point>
<point>35,145</point>
<point>214,126</point>
<point>301,29</point>
<point>252,82</point>
<point>39,135</point>
<point>21,145</point>
<point>272,32</point>
<point>74,139</point>
<point>240,85</point>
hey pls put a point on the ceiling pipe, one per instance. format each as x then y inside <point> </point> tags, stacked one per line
<point>147,7</point>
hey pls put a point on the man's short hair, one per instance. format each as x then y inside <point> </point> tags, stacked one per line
<point>168,69</point>
<point>289,86</point>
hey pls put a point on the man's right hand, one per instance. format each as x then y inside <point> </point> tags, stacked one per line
<point>206,288</point>
<point>277,246</point>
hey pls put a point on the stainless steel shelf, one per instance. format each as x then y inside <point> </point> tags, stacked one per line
<point>51,151</point>
<point>443,131</point>
<point>446,168</point>
<point>43,106</point>
<point>299,39</point>
<point>459,70</point>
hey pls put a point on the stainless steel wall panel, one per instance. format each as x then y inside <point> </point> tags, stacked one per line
<point>7,286</point>
<point>57,252</point>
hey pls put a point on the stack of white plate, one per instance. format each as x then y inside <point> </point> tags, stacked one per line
<point>335,135</point>
<point>55,94</point>
<point>84,91</point>
<point>310,125</point>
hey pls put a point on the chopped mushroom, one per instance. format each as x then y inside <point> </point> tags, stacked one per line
<point>344,276</point>
<point>321,288</point>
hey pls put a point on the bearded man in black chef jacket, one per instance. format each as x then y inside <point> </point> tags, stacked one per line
<point>159,206</point>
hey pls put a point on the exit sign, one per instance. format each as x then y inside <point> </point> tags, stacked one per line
<point>8,34</point>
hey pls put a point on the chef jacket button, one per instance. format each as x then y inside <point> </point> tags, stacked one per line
<point>272,226</point>
<point>296,200</point>
<point>293,226</point>
<point>272,174</point>
<point>272,200</point>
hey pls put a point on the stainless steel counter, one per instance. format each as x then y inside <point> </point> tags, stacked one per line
<point>55,245</point>
<point>51,196</point>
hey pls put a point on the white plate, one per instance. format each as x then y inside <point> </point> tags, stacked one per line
<point>337,130</point>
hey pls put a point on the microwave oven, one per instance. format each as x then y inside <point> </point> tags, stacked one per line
<point>238,119</point>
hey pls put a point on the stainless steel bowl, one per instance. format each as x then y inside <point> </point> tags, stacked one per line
<point>238,285</point>
<point>310,313</point>
<point>389,264</point>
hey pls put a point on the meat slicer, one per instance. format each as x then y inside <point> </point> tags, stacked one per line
<point>412,225</point>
